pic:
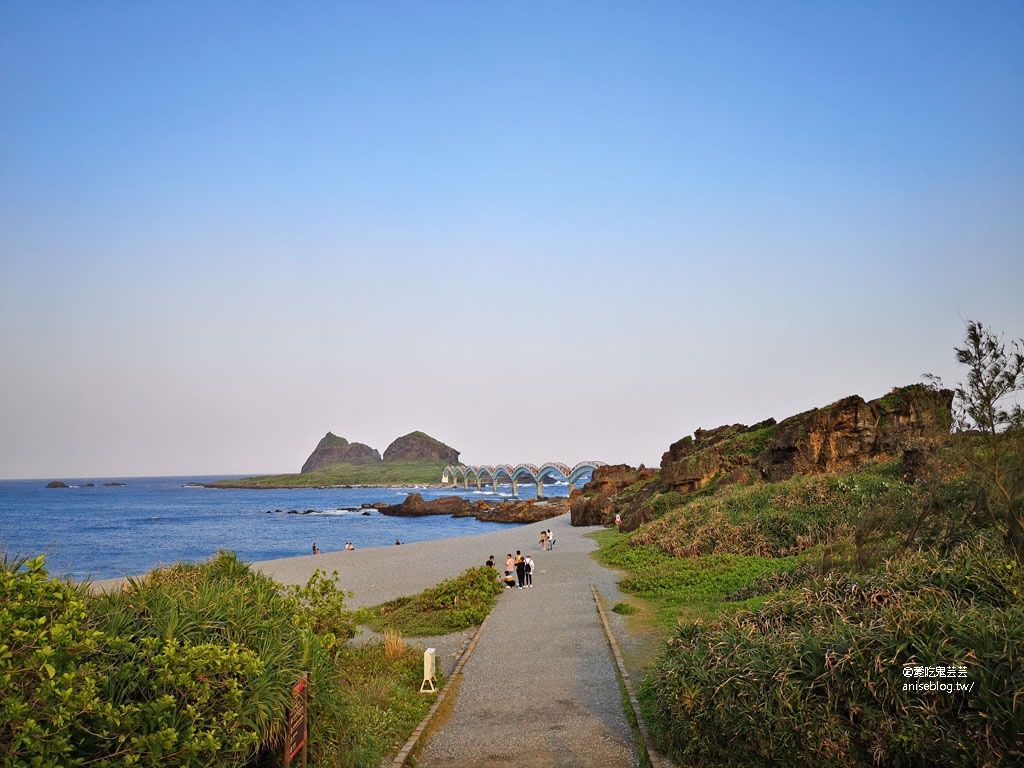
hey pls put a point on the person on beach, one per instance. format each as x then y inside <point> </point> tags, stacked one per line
<point>543,539</point>
<point>551,539</point>
<point>520,568</point>
<point>490,562</point>
<point>510,566</point>
<point>529,571</point>
<point>316,549</point>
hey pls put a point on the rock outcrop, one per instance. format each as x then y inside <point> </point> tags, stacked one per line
<point>839,437</point>
<point>597,502</point>
<point>529,511</point>
<point>418,446</point>
<point>337,450</point>
<point>905,424</point>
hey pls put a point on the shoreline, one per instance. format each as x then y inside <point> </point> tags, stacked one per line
<point>376,574</point>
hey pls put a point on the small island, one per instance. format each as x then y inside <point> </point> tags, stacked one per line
<point>413,459</point>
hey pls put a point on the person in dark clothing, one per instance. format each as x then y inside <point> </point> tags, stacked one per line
<point>520,568</point>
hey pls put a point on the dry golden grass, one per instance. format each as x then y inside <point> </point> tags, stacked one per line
<point>394,645</point>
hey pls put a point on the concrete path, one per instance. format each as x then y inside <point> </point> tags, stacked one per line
<point>540,689</point>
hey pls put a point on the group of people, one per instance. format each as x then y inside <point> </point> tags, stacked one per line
<point>547,539</point>
<point>518,570</point>
<point>348,547</point>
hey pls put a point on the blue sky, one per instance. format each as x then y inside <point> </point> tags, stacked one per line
<point>558,230</point>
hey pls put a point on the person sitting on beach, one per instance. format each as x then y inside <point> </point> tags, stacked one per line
<point>316,549</point>
<point>397,542</point>
<point>510,581</point>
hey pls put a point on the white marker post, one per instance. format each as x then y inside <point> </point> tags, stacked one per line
<point>429,667</point>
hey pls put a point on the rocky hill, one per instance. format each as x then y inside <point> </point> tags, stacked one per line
<point>839,437</point>
<point>337,450</point>
<point>416,446</point>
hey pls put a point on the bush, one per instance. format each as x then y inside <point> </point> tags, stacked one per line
<point>819,677</point>
<point>191,665</point>
<point>451,606</point>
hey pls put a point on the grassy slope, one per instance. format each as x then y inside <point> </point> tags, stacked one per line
<point>711,562</point>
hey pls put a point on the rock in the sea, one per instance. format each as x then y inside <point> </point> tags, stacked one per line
<point>419,446</point>
<point>529,511</point>
<point>414,506</point>
<point>56,484</point>
<point>337,450</point>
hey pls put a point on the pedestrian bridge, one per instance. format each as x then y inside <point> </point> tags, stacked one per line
<point>462,474</point>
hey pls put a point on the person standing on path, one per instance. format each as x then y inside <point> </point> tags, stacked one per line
<point>551,539</point>
<point>520,568</point>
<point>529,571</point>
<point>543,539</point>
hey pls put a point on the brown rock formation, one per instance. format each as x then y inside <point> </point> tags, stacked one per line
<point>905,424</point>
<point>529,511</point>
<point>337,450</point>
<point>595,503</point>
<point>419,446</point>
<point>414,506</point>
<point>839,437</point>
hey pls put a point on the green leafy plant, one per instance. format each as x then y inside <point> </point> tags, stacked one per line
<point>452,605</point>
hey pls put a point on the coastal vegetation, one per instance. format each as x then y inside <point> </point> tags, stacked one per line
<point>192,665</point>
<point>400,472</point>
<point>859,618</point>
<point>451,606</point>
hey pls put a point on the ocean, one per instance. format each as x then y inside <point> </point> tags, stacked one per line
<point>108,529</point>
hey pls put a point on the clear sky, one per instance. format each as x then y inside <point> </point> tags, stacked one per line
<point>536,230</point>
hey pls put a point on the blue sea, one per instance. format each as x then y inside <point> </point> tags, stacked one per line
<point>104,531</point>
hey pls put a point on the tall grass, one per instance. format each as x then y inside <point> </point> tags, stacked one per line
<point>819,678</point>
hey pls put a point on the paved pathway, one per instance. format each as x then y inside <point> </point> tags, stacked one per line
<point>540,689</point>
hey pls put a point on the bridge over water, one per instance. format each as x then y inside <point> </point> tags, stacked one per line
<point>463,474</point>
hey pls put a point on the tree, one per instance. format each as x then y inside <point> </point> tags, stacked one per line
<point>991,425</point>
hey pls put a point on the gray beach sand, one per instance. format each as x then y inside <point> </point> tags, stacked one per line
<point>540,689</point>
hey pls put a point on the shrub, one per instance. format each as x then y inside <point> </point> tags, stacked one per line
<point>819,677</point>
<point>48,666</point>
<point>451,606</point>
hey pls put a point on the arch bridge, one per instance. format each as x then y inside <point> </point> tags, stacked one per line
<point>463,474</point>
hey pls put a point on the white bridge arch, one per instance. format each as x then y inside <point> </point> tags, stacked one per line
<point>463,474</point>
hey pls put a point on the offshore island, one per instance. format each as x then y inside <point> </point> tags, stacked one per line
<point>415,459</point>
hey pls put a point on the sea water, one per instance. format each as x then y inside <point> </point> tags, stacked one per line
<point>106,529</point>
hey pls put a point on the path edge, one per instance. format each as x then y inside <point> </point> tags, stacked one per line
<point>400,759</point>
<point>653,758</point>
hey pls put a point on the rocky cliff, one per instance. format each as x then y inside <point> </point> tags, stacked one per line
<point>836,438</point>
<point>418,446</point>
<point>337,450</point>
<point>840,437</point>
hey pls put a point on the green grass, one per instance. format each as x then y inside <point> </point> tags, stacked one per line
<point>451,606</point>
<point>384,473</point>
<point>674,588</point>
